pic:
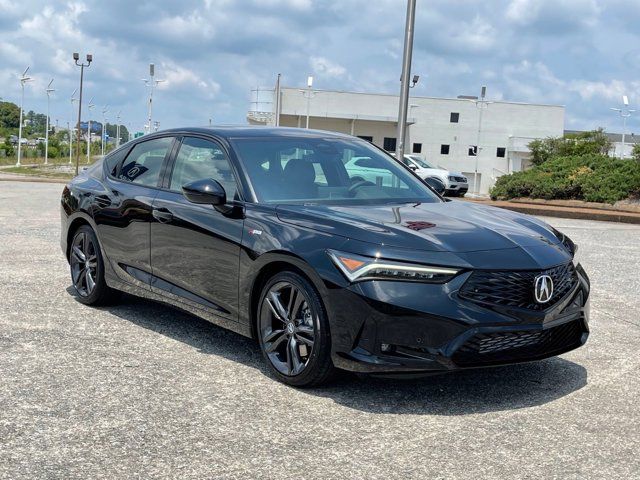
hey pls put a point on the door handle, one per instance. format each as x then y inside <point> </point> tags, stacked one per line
<point>162,215</point>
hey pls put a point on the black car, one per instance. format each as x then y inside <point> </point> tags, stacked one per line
<point>275,234</point>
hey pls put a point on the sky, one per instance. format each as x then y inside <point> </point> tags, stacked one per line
<point>584,54</point>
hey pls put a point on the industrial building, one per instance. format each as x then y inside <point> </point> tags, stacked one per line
<point>442,130</point>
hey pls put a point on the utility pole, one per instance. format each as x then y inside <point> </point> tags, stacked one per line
<point>104,121</point>
<point>49,90</point>
<point>76,57</point>
<point>69,129</point>
<point>23,79</point>
<point>406,74</point>
<point>151,82</point>
<point>90,107</point>
<point>277,100</point>
<point>118,129</point>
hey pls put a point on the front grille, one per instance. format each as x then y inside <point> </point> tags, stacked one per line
<point>506,347</point>
<point>516,288</point>
<point>461,179</point>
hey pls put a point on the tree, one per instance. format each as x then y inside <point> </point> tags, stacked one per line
<point>635,153</point>
<point>574,144</point>
<point>9,115</point>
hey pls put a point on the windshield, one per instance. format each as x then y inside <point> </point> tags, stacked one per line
<point>326,170</point>
<point>420,162</point>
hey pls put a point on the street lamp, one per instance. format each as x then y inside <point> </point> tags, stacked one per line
<point>23,79</point>
<point>49,91</point>
<point>76,58</point>
<point>151,82</point>
<point>625,113</point>
<point>90,107</point>
<point>69,138</point>
<point>118,129</point>
<point>406,73</point>
<point>481,104</point>
<point>308,94</point>
<point>104,121</point>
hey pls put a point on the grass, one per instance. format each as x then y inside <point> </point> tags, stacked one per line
<point>43,171</point>
<point>40,160</point>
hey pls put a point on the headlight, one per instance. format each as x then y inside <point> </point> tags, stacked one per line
<point>571,247</point>
<point>452,179</point>
<point>358,268</point>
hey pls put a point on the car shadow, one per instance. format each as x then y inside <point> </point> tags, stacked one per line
<point>459,393</point>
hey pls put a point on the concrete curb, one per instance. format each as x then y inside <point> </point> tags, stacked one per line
<point>15,177</point>
<point>553,209</point>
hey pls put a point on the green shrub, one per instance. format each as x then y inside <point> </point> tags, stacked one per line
<point>593,178</point>
<point>53,152</point>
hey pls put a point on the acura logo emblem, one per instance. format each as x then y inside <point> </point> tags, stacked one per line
<point>543,288</point>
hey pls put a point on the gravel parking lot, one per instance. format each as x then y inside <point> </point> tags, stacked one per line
<point>142,390</point>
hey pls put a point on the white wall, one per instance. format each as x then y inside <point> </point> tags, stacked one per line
<point>504,124</point>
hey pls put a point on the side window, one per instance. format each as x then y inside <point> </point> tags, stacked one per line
<point>198,159</point>
<point>144,163</point>
<point>112,161</point>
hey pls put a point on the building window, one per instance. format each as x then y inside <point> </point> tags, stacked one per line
<point>417,148</point>
<point>455,117</point>
<point>501,152</point>
<point>444,149</point>
<point>365,137</point>
<point>389,144</point>
<point>473,150</point>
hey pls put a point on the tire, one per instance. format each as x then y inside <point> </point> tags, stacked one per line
<point>294,334</point>
<point>87,269</point>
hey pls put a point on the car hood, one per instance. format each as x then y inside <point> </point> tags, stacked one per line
<point>453,226</point>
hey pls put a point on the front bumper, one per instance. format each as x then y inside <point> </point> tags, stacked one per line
<point>456,188</point>
<point>412,328</point>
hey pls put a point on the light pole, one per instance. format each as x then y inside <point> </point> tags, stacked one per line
<point>151,82</point>
<point>76,57</point>
<point>481,103</point>
<point>118,129</point>
<point>90,107</point>
<point>406,73</point>
<point>69,128</point>
<point>625,113</point>
<point>49,91</point>
<point>104,121</point>
<point>23,79</point>
<point>309,95</point>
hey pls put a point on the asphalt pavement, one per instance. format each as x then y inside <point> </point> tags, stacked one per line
<point>140,390</point>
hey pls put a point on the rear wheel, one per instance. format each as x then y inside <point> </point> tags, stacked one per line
<point>293,331</point>
<point>87,269</point>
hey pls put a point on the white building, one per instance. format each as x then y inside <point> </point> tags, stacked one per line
<point>442,130</point>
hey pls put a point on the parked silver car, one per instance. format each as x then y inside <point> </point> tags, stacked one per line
<point>455,182</point>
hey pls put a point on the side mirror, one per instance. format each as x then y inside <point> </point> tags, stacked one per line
<point>436,184</point>
<point>206,191</point>
<point>413,167</point>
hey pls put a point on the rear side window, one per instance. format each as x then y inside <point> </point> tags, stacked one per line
<point>112,161</point>
<point>144,164</point>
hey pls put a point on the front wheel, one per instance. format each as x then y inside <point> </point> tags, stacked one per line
<point>293,331</point>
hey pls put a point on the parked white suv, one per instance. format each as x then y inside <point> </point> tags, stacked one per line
<point>455,182</point>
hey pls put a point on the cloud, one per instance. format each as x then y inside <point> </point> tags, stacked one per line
<point>324,67</point>
<point>580,53</point>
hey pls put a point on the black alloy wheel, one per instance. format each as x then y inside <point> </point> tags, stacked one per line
<point>293,331</point>
<point>87,269</point>
<point>84,264</point>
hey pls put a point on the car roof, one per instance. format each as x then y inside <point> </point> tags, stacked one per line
<point>248,131</point>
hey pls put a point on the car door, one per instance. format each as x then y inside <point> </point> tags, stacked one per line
<point>195,248</point>
<point>123,212</point>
